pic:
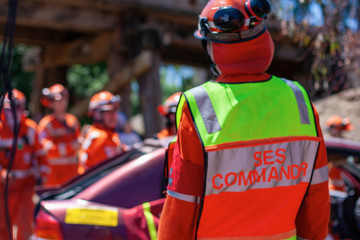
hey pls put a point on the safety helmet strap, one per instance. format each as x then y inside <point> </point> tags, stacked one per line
<point>212,64</point>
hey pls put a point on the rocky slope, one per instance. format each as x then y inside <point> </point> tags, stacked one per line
<point>344,104</point>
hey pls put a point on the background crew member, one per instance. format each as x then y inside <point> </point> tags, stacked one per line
<point>59,133</point>
<point>25,169</point>
<point>249,161</point>
<point>101,141</point>
<point>336,126</point>
<point>167,110</point>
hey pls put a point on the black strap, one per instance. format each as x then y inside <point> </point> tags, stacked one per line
<point>5,59</point>
<point>209,60</point>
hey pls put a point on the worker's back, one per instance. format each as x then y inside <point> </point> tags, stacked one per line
<point>249,161</point>
<point>260,156</point>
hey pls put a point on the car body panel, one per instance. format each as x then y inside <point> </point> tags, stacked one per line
<point>134,182</point>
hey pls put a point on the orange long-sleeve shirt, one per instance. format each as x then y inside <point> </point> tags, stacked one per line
<point>98,145</point>
<point>60,142</point>
<point>178,220</point>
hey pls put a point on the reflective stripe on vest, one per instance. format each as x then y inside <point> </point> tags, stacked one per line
<point>275,108</point>
<point>320,175</point>
<point>58,161</point>
<point>150,220</point>
<point>262,166</point>
<point>206,109</point>
<point>303,112</point>
<point>19,173</point>
<point>260,142</point>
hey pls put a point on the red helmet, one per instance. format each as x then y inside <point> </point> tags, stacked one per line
<point>54,93</point>
<point>229,21</point>
<point>170,104</point>
<point>103,101</point>
<point>18,97</point>
<point>234,37</point>
<point>339,123</point>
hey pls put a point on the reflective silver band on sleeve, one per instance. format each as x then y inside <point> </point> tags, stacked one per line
<point>184,197</point>
<point>62,161</point>
<point>303,111</point>
<point>320,175</point>
<point>206,109</point>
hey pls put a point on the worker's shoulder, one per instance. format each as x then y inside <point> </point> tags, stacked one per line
<point>46,120</point>
<point>95,132</point>
<point>71,119</point>
<point>30,123</point>
<point>289,82</point>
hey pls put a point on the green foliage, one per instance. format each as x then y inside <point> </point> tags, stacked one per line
<point>177,78</point>
<point>86,80</point>
<point>20,80</point>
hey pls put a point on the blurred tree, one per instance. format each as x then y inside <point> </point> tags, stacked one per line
<point>329,29</point>
<point>178,78</point>
<point>86,80</point>
<point>21,80</point>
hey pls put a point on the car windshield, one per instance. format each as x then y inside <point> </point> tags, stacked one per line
<point>81,182</point>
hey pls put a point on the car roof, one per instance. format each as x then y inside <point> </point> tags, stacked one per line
<point>342,146</point>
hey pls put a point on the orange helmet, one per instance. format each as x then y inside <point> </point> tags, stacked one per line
<point>339,123</point>
<point>229,21</point>
<point>234,37</point>
<point>103,101</point>
<point>170,104</point>
<point>18,97</point>
<point>54,93</point>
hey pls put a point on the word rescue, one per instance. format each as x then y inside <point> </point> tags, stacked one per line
<point>264,171</point>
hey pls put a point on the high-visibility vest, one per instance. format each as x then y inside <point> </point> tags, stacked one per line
<point>260,145</point>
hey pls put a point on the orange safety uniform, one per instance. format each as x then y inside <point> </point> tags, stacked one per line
<point>168,110</point>
<point>164,133</point>
<point>261,208</point>
<point>60,141</point>
<point>336,125</point>
<point>99,144</point>
<point>336,180</point>
<point>29,158</point>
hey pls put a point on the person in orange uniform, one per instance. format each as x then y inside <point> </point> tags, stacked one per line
<point>25,169</point>
<point>101,141</point>
<point>249,161</point>
<point>167,110</point>
<point>336,126</point>
<point>59,134</point>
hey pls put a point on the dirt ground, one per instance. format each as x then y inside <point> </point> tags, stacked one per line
<point>344,104</point>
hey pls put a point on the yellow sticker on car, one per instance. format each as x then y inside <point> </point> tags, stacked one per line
<point>92,216</point>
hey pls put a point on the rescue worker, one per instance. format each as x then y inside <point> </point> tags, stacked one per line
<point>59,134</point>
<point>337,125</point>
<point>249,161</point>
<point>25,169</point>
<point>167,110</point>
<point>101,141</point>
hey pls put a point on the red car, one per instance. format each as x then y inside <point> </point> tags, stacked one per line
<point>93,205</point>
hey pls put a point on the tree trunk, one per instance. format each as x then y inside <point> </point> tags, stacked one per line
<point>150,97</point>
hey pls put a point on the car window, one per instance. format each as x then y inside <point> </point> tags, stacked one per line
<point>133,183</point>
<point>81,182</point>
